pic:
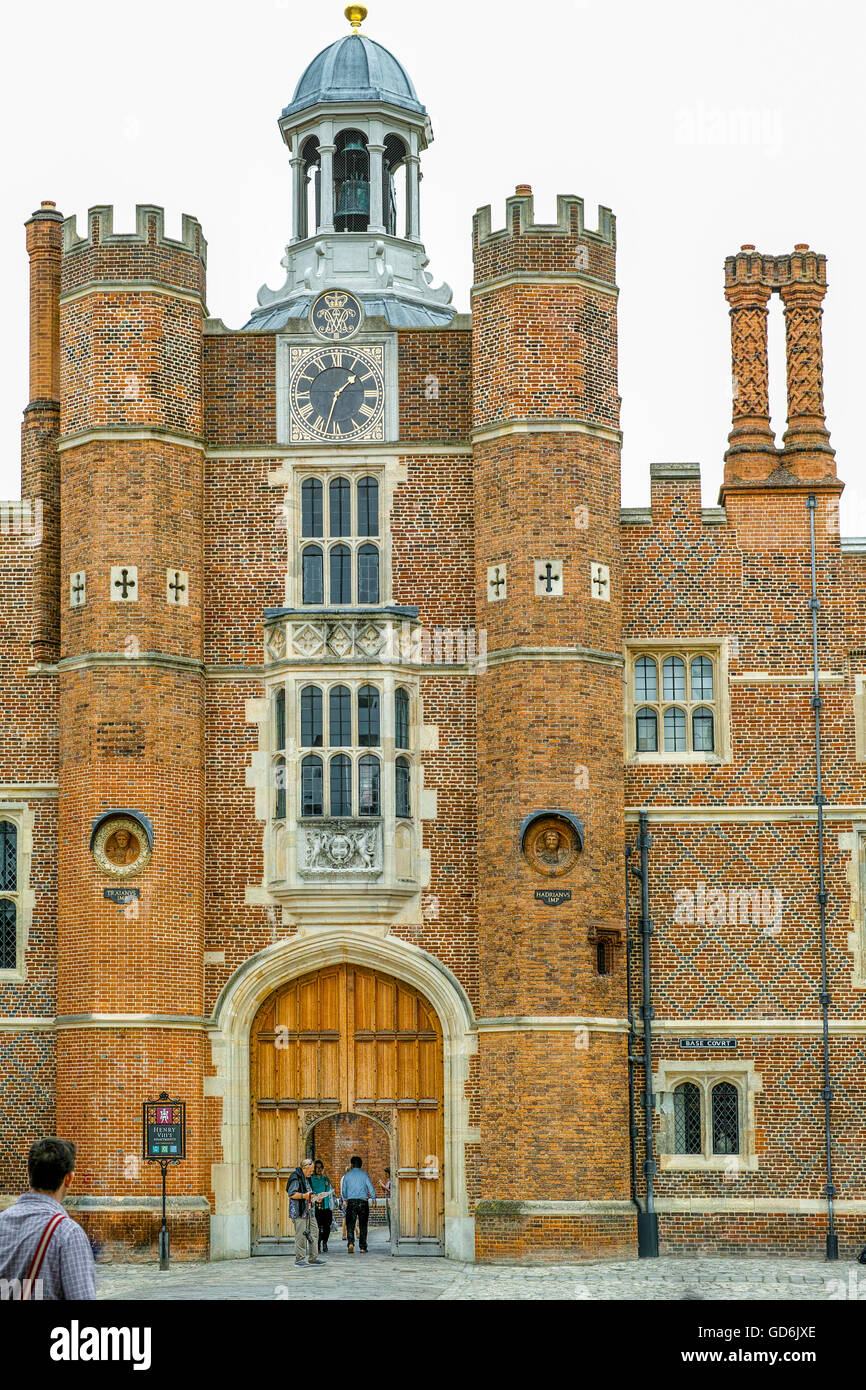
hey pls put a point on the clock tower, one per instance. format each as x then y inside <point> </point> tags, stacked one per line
<point>356,132</point>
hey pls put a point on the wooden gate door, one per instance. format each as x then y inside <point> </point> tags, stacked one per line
<point>348,1040</point>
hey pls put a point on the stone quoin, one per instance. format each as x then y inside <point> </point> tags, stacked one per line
<point>336,627</point>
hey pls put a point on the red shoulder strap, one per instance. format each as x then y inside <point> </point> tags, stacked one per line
<point>40,1253</point>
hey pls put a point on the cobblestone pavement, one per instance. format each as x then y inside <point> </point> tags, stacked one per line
<point>379,1277</point>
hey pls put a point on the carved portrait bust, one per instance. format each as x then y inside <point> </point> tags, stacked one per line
<point>551,847</point>
<point>120,847</point>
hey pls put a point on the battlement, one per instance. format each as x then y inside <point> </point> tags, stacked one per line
<point>520,220</point>
<point>528,249</point>
<point>799,267</point>
<point>149,231</point>
<point>146,254</point>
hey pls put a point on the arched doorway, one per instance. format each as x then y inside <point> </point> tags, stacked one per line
<point>348,1039</point>
<point>334,1141</point>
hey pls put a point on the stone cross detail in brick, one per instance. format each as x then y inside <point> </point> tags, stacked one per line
<point>550,578</point>
<point>176,587</point>
<point>78,588</point>
<point>124,584</point>
<point>498,582</point>
<point>601,583</point>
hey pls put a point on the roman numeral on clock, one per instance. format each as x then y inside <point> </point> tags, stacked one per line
<point>367,411</point>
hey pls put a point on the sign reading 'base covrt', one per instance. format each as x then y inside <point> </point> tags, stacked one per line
<point>164,1124</point>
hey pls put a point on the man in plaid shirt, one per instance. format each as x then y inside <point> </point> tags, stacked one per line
<point>66,1269</point>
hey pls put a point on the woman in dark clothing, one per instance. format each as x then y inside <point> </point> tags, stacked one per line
<point>324,1209</point>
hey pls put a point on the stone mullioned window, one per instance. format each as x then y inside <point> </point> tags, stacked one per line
<point>677,703</point>
<point>340,560</point>
<point>708,1115</point>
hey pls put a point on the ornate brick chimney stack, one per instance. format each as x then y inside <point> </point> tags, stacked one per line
<point>806,457</point>
<point>751,445</point>
<point>802,280</point>
<point>40,478</point>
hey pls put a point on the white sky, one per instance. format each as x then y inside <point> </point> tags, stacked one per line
<point>701,124</point>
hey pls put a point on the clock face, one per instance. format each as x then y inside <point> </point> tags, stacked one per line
<point>337,394</point>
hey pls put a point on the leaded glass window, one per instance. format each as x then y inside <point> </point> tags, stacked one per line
<point>687,1119</point>
<point>675,730</point>
<point>340,501</point>
<point>341,575</point>
<point>368,507</point>
<point>311,717</point>
<point>703,731</point>
<point>404,788</point>
<point>313,575</point>
<point>312,521</point>
<point>8,884</point>
<point>368,717</point>
<point>647,731</point>
<point>312,798</point>
<point>280,784</point>
<point>726,1118</point>
<point>369,784</point>
<point>8,935</point>
<point>8,857</point>
<point>702,678</point>
<point>646,679</point>
<point>340,715</point>
<point>674,678</point>
<point>368,574</point>
<point>280,720</point>
<point>341,785</point>
<point>401,718</point>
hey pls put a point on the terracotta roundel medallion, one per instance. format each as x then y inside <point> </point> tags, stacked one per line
<point>551,846</point>
<point>120,847</point>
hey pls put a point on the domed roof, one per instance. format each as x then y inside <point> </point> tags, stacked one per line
<point>355,69</point>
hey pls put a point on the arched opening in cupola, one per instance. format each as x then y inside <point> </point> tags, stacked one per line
<point>311,199</point>
<point>351,182</point>
<point>395,210</point>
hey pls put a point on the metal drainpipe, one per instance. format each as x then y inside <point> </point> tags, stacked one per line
<point>647,1221</point>
<point>827,1093</point>
<point>632,1037</point>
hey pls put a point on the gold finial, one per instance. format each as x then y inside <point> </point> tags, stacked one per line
<point>356,14</point>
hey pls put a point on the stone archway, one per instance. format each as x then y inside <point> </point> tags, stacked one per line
<point>334,1140</point>
<point>242,997</point>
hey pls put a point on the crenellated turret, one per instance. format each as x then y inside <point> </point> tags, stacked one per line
<point>131,682</point>
<point>546,451</point>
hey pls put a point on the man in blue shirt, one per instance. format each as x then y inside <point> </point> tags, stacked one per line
<point>44,1254</point>
<point>356,1190</point>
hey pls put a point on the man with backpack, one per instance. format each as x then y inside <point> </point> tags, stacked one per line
<point>44,1254</point>
<point>301,1200</point>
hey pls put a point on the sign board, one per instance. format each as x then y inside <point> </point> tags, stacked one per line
<point>553,896</point>
<point>164,1126</point>
<point>121,896</point>
<point>704,1044</point>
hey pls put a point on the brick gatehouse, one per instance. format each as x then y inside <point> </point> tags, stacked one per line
<point>362,756</point>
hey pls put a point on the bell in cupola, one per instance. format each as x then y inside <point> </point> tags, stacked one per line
<point>352,184</point>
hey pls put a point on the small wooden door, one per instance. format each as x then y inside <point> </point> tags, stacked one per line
<point>348,1039</point>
